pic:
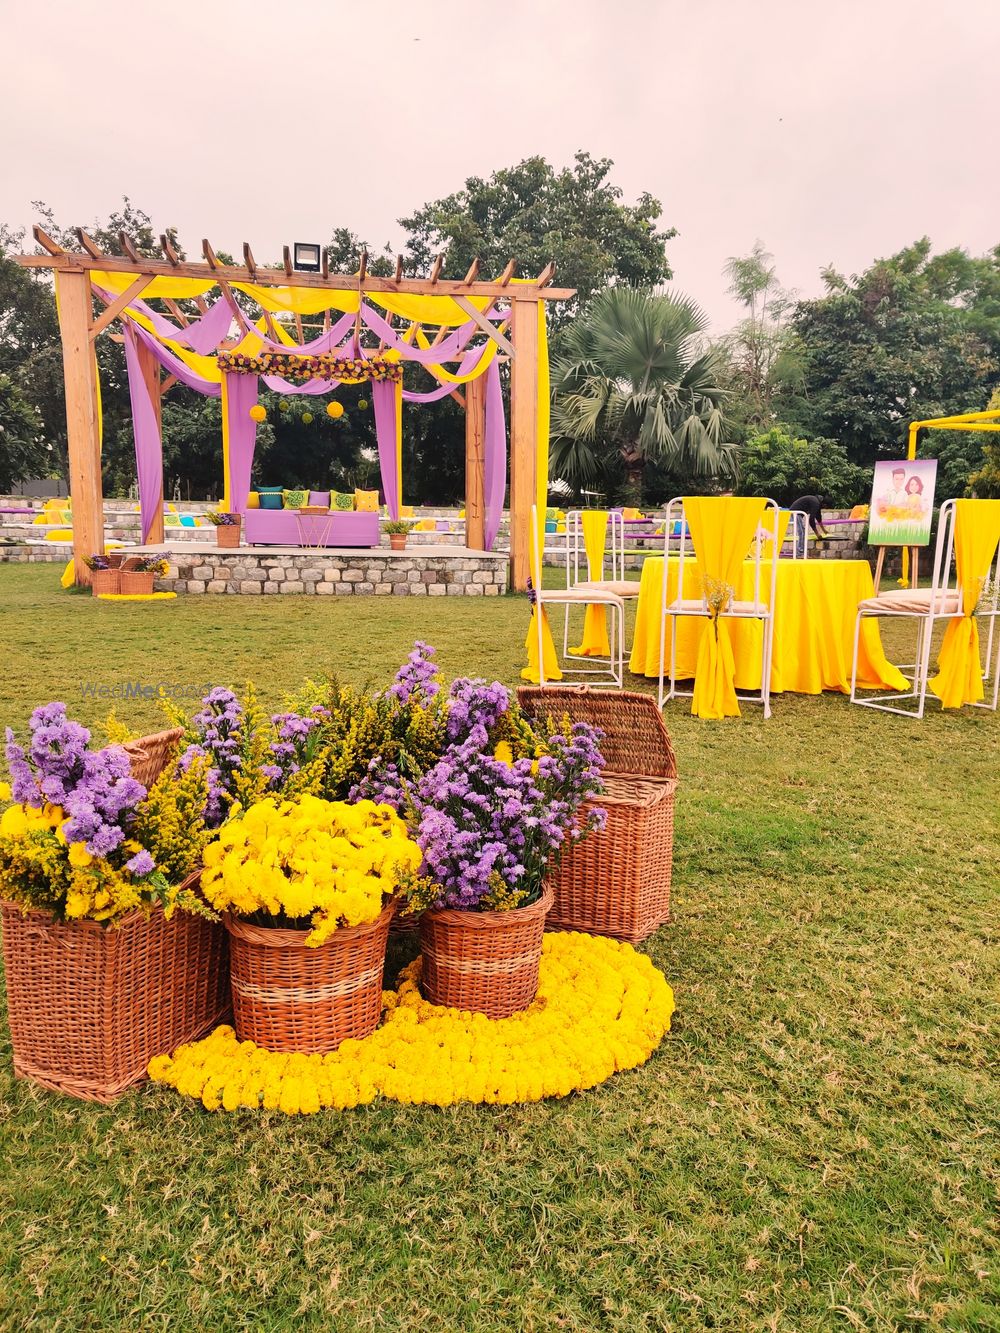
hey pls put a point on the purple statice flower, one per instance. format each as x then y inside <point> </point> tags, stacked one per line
<point>219,726</point>
<point>141,864</point>
<point>54,761</point>
<point>291,747</point>
<point>416,679</point>
<point>474,703</point>
<point>102,802</point>
<point>382,784</point>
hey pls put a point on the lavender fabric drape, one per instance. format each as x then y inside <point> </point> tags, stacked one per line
<point>241,433</point>
<point>146,431</point>
<point>174,364</point>
<point>202,335</point>
<point>386,433</point>
<point>495,455</point>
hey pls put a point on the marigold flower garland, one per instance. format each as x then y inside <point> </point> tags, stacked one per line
<point>292,365</point>
<point>601,1007</point>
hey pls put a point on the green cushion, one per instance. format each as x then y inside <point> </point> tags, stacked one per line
<point>295,499</point>
<point>341,500</point>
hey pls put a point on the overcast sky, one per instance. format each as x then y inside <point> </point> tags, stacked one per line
<point>835,132</point>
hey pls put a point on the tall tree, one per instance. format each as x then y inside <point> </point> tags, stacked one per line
<point>532,214</point>
<point>761,349</point>
<point>913,336</point>
<point>632,382</point>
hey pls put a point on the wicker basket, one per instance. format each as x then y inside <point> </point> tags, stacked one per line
<point>617,882</point>
<point>136,581</point>
<point>149,754</point>
<point>228,534</point>
<point>486,962</point>
<point>89,1006</point>
<point>290,997</point>
<point>105,581</point>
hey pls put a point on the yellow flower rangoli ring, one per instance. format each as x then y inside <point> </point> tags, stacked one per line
<point>601,1007</point>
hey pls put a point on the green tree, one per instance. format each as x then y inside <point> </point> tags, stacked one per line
<point>913,336</point>
<point>761,351</point>
<point>984,482</point>
<point>630,383</point>
<point>532,214</point>
<point>23,454</point>
<point>776,464</point>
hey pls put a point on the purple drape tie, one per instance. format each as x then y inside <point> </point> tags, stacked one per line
<point>384,402</point>
<point>146,430</point>
<point>241,394</point>
<point>495,455</point>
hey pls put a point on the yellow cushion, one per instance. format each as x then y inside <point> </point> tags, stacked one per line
<point>366,501</point>
<point>253,500</point>
<point>859,511</point>
<point>59,535</point>
<point>40,519</point>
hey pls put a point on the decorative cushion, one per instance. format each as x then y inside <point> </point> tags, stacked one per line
<point>341,500</point>
<point>320,498</point>
<point>295,499</point>
<point>270,497</point>
<point>913,602</point>
<point>366,501</point>
<point>253,500</point>
<point>187,521</point>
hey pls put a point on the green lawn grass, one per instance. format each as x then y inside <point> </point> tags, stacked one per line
<point>814,1146</point>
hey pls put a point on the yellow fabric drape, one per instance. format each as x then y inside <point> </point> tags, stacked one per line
<point>960,675</point>
<point>480,368</point>
<point>552,671</point>
<point>721,532</point>
<point>784,518</point>
<point>595,641</point>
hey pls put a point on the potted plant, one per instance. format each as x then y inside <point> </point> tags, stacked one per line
<point>102,971</point>
<point>307,888</point>
<point>227,527</point>
<point>104,576</point>
<point>398,529</point>
<point>138,573</point>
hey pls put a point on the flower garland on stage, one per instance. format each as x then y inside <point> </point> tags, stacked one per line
<point>295,366</point>
<point>601,1007</point>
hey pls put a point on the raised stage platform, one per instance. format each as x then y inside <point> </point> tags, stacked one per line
<point>419,571</point>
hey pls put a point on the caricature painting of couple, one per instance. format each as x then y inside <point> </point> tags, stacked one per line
<point>902,503</point>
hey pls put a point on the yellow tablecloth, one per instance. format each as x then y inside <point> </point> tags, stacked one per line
<point>817,601</point>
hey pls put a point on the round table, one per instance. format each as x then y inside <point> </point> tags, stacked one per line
<point>816,605</point>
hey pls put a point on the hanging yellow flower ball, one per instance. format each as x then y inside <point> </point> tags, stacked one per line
<point>258,413</point>
<point>307,418</point>
<point>335,410</point>
<point>363,403</point>
<point>282,405</point>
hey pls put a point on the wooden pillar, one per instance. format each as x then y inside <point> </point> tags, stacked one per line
<point>475,464</point>
<point>151,375</point>
<point>523,437</point>
<point>82,430</point>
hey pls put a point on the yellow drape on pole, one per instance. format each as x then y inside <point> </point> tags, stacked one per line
<point>721,532</point>
<point>551,660</point>
<point>595,642</point>
<point>960,675</point>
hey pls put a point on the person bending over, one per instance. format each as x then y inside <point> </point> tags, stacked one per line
<point>812,507</point>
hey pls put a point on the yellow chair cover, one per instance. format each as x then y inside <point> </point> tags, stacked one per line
<point>722,529</point>
<point>960,674</point>
<point>784,518</point>
<point>552,671</point>
<point>595,625</point>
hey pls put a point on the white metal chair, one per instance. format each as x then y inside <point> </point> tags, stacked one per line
<point>942,601</point>
<point>611,674</point>
<point>798,526</point>
<point>758,607</point>
<point>579,573</point>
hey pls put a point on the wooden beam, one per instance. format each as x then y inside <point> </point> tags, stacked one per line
<point>473,272</point>
<point>176,311</point>
<point>91,247</point>
<point>248,259</point>
<point>171,254</point>
<point>82,432</point>
<point>508,273</point>
<point>66,262</point>
<point>286,256</point>
<point>436,268</point>
<point>133,254</point>
<point>523,438</point>
<point>398,276</point>
<point>46,241</point>
<point>362,266</point>
<point>168,383</point>
<point>324,268</point>
<point>209,253</point>
<point>484,324</point>
<point>475,464</point>
<point>114,308</point>
<point>547,274</point>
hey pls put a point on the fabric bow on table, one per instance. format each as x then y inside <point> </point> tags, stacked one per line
<point>960,674</point>
<point>722,529</point>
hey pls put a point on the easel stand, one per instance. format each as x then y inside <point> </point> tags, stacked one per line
<point>914,566</point>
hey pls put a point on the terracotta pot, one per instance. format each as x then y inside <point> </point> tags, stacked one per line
<point>104,581</point>
<point>228,534</point>
<point>397,540</point>
<point>136,582</point>
<point>483,961</point>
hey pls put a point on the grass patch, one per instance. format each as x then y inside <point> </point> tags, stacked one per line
<point>813,1147</point>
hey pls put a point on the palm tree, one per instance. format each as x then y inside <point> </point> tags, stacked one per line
<point>628,377</point>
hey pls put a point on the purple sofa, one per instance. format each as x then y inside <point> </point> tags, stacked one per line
<point>287,527</point>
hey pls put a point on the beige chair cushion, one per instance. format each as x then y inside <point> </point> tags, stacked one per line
<point>620,587</point>
<point>912,601</point>
<point>578,594</point>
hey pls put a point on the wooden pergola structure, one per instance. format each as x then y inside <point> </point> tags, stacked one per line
<point>80,325</point>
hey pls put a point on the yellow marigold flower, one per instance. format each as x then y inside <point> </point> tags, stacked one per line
<point>79,856</point>
<point>504,753</point>
<point>5,791</point>
<point>13,822</point>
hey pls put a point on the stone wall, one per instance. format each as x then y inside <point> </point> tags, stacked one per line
<point>364,573</point>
